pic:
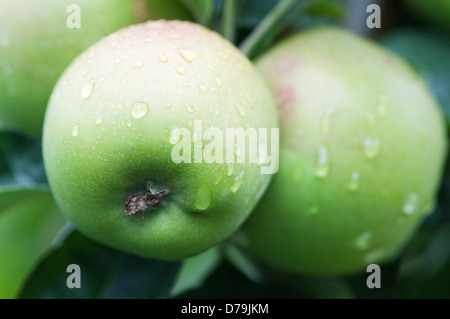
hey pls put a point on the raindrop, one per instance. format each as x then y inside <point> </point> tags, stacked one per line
<point>138,64</point>
<point>353,185</point>
<point>99,120</point>
<point>162,58</point>
<point>139,109</point>
<point>371,147</point>
<point>218,81</point>
<point>326,118</point>
<point>189,55</point>
<point>219,177</point>
<point>362,241</point>
<point>202,88</point>
<point>180,70</point>
<point>323,162</point>
<point>203,198</point>
<point>240,110</point>
<point>86,88</point>
<point>189,108</point>
<point>230,170</point>
<point>118,61</point>
<point>411,204</point>
<point>91,54</point>
<point>222,55</point>
<point>237,182</point>
<point>75,130</point>
<point>370,119</point>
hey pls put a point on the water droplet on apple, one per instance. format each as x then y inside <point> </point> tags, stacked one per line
<point>180,70</point>
<point>222,55</point>
<point>118,61</point>
<point>370,119</point>
<point>239,179</point>
<point>168,106</point>
<point>323,162</point>
<point>326,119</point>
<point>120,106</point>
<point>128,123</point>
<point>203,198</point>
<point>174,136</point>
<point>353,185</point>
<point>189,108</point>
<point>219,177</point>
<point>87,88</point>
<point>174,36</point>
<point>189,56</point>
<point>162,58</point>
<point>138,64</point>
<point>230,170</point>
<point>363,241</point>
<point>75,130</point>
<point>112,71</point>
<point>91,54</point>
<point>99,120</point>
<point>240,110</point>
<point>202,88</point>
<point>411,204</point>
<point>371,147</point>
<point>218,81</point>
<point>139,109</point>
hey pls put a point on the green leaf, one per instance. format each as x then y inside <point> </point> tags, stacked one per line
<point>202,10</point>
<point>20,160</point>
<point>429,53</point>
<point>195,271</point>
<point>29,221</point>
<point>327,8</point>
<point>105,273</point>
<point>239,260</point>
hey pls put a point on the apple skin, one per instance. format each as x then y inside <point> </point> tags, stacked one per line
<point>98,151</point>
<point>36,46</point>
<point>340,201</point>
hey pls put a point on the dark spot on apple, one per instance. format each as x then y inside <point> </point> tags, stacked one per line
<point>141,200</point>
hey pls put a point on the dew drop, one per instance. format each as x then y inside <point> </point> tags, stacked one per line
<point>189,108</point>
<point>230,170</point>
<point>353,185</point>
<point>162,58</point>
<point>118,61</point>
<point>240,110</point>
<point>371,147</point>
<point>120,106</point>
<point>91,54</point>
<point>411,204</point>
<point>99,120</point>
<point>139,109</point>
<point>203,198</point>
<point>370,119</point>
<point>202,88</point>
<point>86,88</point>
<point>138,64</point>
<point>189,55</point>
<point>112,71</point>
<point>180,70</point>
<point>237,182</point>
<point>218,177</point>
<point>222,55</point>
<point>128,123</point>
<point>174,36</point>
<point>75,130</point>
<point>326,118</point>
<point>363,241</point>
<point>323,162</point>
<point>168,106</point>
<point>217,81</point>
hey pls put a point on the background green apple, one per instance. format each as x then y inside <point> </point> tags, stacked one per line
<point>362,150</point>
<point>36,46</point>
<point>435,11</point>
<point>110,127</point>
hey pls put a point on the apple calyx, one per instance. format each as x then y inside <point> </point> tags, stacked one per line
<point>141,200</point>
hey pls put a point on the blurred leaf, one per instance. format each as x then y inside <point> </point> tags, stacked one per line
<point>243,263</point>
<point>105,273</point>
<point>29,221</point>
<point>20,160</point>
<point>429,53</point>
<point>202,10</point>
<point>327,8</point>
<point>195,270</point>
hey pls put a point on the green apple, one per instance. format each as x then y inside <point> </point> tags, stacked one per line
<point>362,149</point>
<point>39,38</point>
<point>113,125</point>
<point>435,11</point>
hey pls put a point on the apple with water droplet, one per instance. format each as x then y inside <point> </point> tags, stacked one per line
<point>362,148</point>
<point>113,130</point>
<point>38,40</point>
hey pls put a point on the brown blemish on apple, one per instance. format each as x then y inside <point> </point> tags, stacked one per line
<point>141,200</point>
